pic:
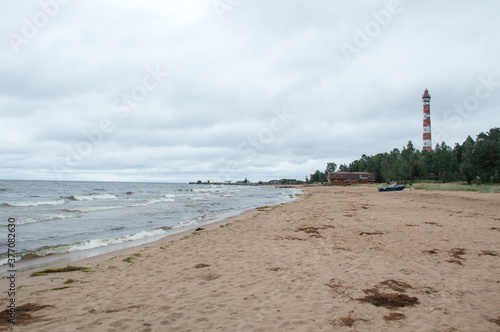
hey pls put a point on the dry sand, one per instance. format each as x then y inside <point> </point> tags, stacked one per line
<point>301,266</point>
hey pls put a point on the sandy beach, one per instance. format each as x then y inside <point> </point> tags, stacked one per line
<point>337,259</point>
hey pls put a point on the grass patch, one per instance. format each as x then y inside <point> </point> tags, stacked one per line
<point>229,224</point>
<point>193,234</point>
<point>70,281</point>
<point>68,268</point>
<point>266,208</point>
<point>484,188</point>
<point>129,259</point>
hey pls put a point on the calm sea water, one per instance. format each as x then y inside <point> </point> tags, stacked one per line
<point>57,217</point>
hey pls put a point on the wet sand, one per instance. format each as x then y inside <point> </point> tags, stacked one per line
<point>338,259</point>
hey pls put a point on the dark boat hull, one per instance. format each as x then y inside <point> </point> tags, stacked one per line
<point>398,188</point>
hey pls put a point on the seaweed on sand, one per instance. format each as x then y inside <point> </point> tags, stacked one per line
<point>456,254</point>
<point>394,316</point>
<point>397,286</point>
<point>23,314</point>
<point>388,300</point>
<point>68,268</point>
<point>313,231</point>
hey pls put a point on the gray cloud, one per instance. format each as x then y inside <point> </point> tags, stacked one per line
<point>76,101</point>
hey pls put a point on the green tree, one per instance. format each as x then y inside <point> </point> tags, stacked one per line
<point>487,152</point>
<point>468,167</point>
<point>330,168</point>
<point>409,162</point>
<point>425,164</point>
<point>318,177</point>
<point>343,168</point>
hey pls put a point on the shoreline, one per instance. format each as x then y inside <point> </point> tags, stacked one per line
<point>310,264</point>
<point>59,259</point>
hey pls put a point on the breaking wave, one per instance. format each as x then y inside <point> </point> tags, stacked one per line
<point>27,204</point>
<point>187,223</point>
<point>92,197</point>
<point>46,217</point>
<point>44,251</point>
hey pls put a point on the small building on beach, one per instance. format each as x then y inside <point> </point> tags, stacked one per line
<point>348,178</point>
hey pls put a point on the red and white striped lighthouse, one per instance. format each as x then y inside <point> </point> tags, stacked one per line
<point>426,137</point>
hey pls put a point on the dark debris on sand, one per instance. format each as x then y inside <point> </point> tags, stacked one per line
<point>388,300</point>
<point>23,314</point>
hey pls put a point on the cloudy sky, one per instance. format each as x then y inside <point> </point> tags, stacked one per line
<point>177,91</point>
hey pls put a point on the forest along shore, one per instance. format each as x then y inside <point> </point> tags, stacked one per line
<point>339,257</point>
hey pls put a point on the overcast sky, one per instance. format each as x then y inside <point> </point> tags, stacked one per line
<point>178,91</point>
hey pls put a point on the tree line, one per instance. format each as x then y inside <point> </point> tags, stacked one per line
<point>475,161</point>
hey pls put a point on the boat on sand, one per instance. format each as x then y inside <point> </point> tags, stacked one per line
<point>392,187</point>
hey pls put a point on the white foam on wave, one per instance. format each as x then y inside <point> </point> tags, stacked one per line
<point>28,204</point>
<point>161,199</point>
<point>195,197</point>
<point>187,223</point>
<point>81,198</point>
<point>106,242</point>
<point>89,244</point>
<point>96,208</point>
<point>46,217</point>
<point>92,197</point>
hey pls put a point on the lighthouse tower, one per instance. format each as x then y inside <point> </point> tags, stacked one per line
<point>427,144</point>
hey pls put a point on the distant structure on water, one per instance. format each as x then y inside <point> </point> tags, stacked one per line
<point>348,178</point>
<point>426,139</point>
